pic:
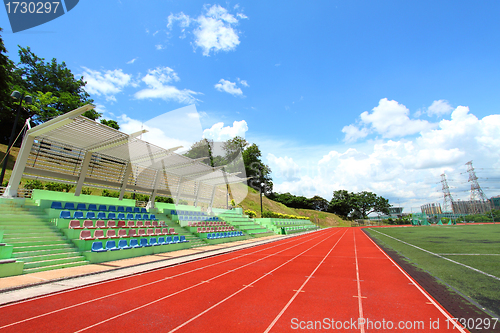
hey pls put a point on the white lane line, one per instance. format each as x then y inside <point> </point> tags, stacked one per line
<point>301,287</point>
<point>439,256</point>
<point>188,288</point>
<point>251,283</point>
<point>360,302</point>
<point>141,286</point>
<point>431,300</point>
<point>468,254</point>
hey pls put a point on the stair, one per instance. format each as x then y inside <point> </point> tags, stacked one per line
<point>194,240</point>
<point>246,224</point>
<point>35,240</point>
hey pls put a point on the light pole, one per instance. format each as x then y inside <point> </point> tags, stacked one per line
<point>260,187</point>
<point>16,95</point>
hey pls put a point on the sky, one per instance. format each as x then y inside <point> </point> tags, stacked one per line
<point>382,96</point>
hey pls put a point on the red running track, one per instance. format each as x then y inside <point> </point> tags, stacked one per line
<point>334,278</point>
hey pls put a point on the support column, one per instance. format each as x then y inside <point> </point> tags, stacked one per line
<point>151,202</point>
<point>17,172</point>
<point>83,173</point>
<point>212,198</point>
<point>178,190</point>
<point>125,180</point>
<point>196,193</point>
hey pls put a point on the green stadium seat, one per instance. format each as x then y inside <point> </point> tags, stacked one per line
<point>97,247</point>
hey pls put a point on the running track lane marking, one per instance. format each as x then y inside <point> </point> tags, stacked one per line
<point>360,302</point>
<point>432,301</point>
<point>301,287</point>
<point>437,255</point>
<point>147,284</point>
<point>196,285</point>
<point>237,292</point>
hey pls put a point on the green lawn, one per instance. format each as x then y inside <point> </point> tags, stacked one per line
<point>483,240</point>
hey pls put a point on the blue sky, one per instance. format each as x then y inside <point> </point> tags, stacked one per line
<point>359,95</point>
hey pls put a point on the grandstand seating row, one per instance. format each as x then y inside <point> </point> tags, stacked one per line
<point>187,212</point>
<point>93,207</point>
<point>224,235</point>
<point>86,234</point>
<point>135,243</point>
<point>207,224</point>
<point>66,214</point>
<point>198,218</point>
<point>101,224</point>
<point>201,230</point>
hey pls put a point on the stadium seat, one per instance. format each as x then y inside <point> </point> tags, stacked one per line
<point>85,235</point>
<point>69,206</point>
<point>139,224</point>
<point>81,206</point>
<point>144,242</point>
<point>90,215</point>
<point>155,223</point>
<point>141,232</point>
<point>92,207</point>
<point>78,215</point>
<point>143,210</point>
<point>101,215</point>
<point>100,224</point>
<point>111,224</point>
<point>128,210</point>
<point>209,236</point>
<point>111,245</point>
<point>121,224</point>
<point>161,240</point>
<point>134,243</point>
<point>75,224</point>
<point>138,217</point>
<point>121,216</point>
<point>99,234</point>
<point>145,217</point>
<point>152,217</point>
<point>130,224</point>
<point>122,244</point>
<point>150,232</point>
<point>158,232</point>
<point>97,247</point>
<point>120,209</point>
<point>122,233</point>
<point>175,240</point>
<point>164,231</point>
<point>168,240</point>
<point>152,241</point>
<point>111,233</point>
<point>111,208</point>
<point>137,209</point>
<point>88,224</point>
<point>171,231</point>
<point>147,223</point>
<point>112,216</point>
<point>183,239</point>
<point>130,216</point>
<point>56,205</point>
<point>102,208</point>
<point>132,233</point>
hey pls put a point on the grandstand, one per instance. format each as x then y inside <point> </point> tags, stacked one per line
<point>54,230</point>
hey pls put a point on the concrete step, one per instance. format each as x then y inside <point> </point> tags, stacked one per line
<point>43,252</point>
<point>38,242</point>
<point>47,268</point>
<point>49,256</point>
<point>42,247</point>
<point>52,262</point>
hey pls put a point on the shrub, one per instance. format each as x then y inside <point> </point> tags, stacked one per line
<point>34,184</point>
<point>164,199</point>
<point>270,214</point>
<point>111,194</point>
<point>86,190</point>
<point>250,213</point>
<point>58,187</point>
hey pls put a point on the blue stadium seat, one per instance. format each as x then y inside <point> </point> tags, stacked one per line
<point>183,239</point>
<point>97,247</point>
<point>152,241</point>
<point>111,245</point>
<point>143,210</point>
<point>56,205</point>
<point>102,208</point>
<point>78,215</point>
<point>92,207</point>
<point>144,242</point>
<point>65,214</point>
<point>112,209</point>
<point>137,209</point>
<point>145,217</point>
<point>69,205</point>
<point>121,216</point>
<point>161,240</point>
<point>122,244</point>
<point>137,217</point>
<point>120,209</point>
<point>89,216</point>
<point>101,215</point>
<point>153,217</point>
<point>209,236</point>
<point>128,210</point>
<point>130,216</point>
<point>168,240</point>
<point>175,240</point>
<point>111,216</point>
<point>81,206</point>
<point>134,243</point>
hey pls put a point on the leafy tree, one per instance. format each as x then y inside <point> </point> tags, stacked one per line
<point>342,203</point>
<point>255,168</point>
<point>357,205</point>
<point>110,123</point>
<point>200,149</point>
<point>318,203</point>
<point>369,202</point>
<point>7,114</point>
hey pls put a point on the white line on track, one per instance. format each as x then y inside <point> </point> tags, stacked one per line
<point>302,287</point>
<point>249,285</point>
<point>439,256</point>
<point>360,302</point>
<point>140,286</point>
<point>469,254</point>
<point>193,286</point>
<point>431,300</point>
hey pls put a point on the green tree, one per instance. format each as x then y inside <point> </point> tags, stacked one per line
<point>110,123</point>
<point>255,168</point>
<point>368,202</point>
<point>342,203</point>
<point>201,149</point>
<point>7,112</point>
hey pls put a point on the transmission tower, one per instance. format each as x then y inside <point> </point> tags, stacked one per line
<point>478,201</point>
<point>448,199</point>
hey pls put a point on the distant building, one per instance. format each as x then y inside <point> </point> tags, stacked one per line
<point>431,209</point>
<point>495,202</point>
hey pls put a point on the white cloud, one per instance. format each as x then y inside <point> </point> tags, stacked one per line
<point>244,83</point>
<point>214,30</point>
<point>229,87</point>
<point>159,47</point>
<point>439,108</point>
<point>353,133</point>
<point>106,83</point>
<point>284,167</point>
<point>158,80</point>
<point>131,61</point>
<point>220,133</point>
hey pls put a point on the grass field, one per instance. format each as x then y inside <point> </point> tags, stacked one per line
<point>477,246</point>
